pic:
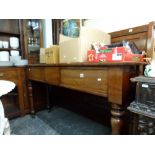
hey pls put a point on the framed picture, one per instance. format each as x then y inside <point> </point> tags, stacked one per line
<point>71,27</point>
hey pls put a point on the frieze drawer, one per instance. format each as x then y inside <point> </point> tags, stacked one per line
<point>52,75</point>
<point>85,79</point>
<point>36,73</point>
<point>8,74</point>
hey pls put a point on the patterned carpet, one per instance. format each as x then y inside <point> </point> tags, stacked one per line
<point>59,121</point>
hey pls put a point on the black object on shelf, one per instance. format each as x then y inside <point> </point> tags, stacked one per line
<point>132,46</point>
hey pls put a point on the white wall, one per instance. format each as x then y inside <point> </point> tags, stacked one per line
<point>47,33</point>
<point>111,25</point>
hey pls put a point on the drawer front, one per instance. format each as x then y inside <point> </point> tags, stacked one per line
<point>89,80</point>
<point>8,74</point>
<point>52,75</point>
<point>36,73</point>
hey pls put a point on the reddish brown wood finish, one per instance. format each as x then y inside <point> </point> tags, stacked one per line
<point>92,80</point>
<point>16,75</point>
<point>142,36</point>
<point>32,57</point>
<point>114,85</point>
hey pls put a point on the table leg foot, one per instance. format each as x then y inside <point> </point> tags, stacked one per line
<point>117,112</point>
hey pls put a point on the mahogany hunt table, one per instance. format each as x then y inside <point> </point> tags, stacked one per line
<point>109,80</point>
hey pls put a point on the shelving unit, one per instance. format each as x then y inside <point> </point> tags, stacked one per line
<point>9,49</point>
<point>14,102</point>
<point>11,28</point>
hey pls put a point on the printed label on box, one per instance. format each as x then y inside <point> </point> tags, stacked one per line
<point>145,85</point>
<point>116,56</point>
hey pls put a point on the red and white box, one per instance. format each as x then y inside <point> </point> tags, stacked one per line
<point>116,54</point>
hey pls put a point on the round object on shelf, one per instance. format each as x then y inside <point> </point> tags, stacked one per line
<point>14,42</point>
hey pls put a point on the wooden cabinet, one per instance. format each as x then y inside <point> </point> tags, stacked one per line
<point>11,28</point>
<point>32,29</point>
<point>16,102</point>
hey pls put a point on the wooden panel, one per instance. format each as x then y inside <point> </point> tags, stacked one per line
<point>9,74</point>
<point>39,95</point>
<point>139,39</point>
<point>120,88</point>
<point>89,80</point>
<point>130,31</point>
<point>52,75</point>
<point>9,26</point>
<point>115,76</point>
<point>36,73</point>
<point>15,100</point>
<point>142,36</point>
<point>150,40</point>
<point>56,29</point>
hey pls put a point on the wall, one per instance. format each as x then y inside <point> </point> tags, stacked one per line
<point>111,25</point>
<point>47,33</point>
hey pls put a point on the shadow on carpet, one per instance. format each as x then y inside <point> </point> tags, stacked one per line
<point>59,121</point>
<point>30,126</point>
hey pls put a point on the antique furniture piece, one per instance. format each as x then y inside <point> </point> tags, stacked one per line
<point>33,35</point>
<point>109,80</point>
<point>142,36</point>
<point>143,108</point>
<point>15,103</point>
<point>114,87</point>
<point>11,28</point>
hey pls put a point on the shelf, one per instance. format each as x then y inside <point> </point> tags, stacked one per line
<point>33,48</point>
<point>8,49</point>
<point>9,34</point>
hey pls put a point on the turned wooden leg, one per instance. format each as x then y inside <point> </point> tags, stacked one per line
<point>117,112</point>
<point>32,110</point>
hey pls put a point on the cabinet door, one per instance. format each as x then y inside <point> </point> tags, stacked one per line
<point>33,39</point>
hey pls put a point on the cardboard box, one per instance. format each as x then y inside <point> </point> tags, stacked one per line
<point>75,49</point>
<point>49,55</point>
<point>117,54</point>
<point>42,55</point>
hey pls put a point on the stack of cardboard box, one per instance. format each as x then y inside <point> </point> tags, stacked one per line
<point>75,49</point>
<point>49,55</point>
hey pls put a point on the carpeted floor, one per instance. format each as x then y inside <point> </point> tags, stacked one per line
<point>59,121</point>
